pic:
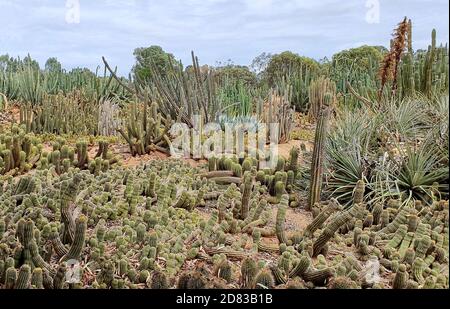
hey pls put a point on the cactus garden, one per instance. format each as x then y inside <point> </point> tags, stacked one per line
<point>355,197</point>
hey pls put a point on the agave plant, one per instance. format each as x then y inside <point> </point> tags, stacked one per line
<point>420,175</point>
<point>406,118</point>
<point>346,168</point>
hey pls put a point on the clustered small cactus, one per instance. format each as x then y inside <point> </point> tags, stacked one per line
<point>19,151</point>
<point>63,157</point>
<point>253,175</point>
<point>146,131</point>
<point>138,228</point>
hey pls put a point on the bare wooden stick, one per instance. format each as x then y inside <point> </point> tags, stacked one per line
<point>366,101</point>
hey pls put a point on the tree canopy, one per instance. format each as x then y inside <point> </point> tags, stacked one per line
<point>151,57</point>
<point>52,65</point>
<point>288,62</point>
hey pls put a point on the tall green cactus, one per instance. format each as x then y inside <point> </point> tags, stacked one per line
<point>318,153</point>
<point>246,196</point>
<point>76,248</point>
<point>23,277</point>
<point>322,93</point>
<point>280,220</point>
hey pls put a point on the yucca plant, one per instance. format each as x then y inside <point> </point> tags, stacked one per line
<point>406,118</point>
<point>346,167</point>
<point>420,175</point>
<point>439,135</point>
<point>350,150</point>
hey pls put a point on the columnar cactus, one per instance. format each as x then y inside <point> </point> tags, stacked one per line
<point>301,267</point>
<point>321,218</point>
<point>223,270</point>
<point>422,246</point>
<point>358,195</point>
<point>264,280</point>
<point>319,277</point>
<point>293,160</point>
<point>10,277</point>
<point>78,240</point>
<point>159,281</point>
<point>338,221</point>
<point>278,274</point>
<point>317,160</point>
<point>417,270</point>
<point>281,217</point>
<point>376,212</point>
<point>401,278</point>
<point>246,196</point>
<point>37,279</point>
<point>23,278</point>
<point>248,272</point>
<point>59,278</point>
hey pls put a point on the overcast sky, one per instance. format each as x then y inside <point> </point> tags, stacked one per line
<point>217,30</point>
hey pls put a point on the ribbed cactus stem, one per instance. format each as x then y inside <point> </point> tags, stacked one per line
<point>338,221</point>
<point>318,153</point>
<point>58,246</point>
<point>246,196</point>
<point>159,281</point>
<point>280,220</point>
<point>358,195</point>
<point>278,275</point>
<point>320,219</point>
<point>401,278</point>
<point>37,259</point>
<point>77,246</point>
<point>248,272</point>
<point>376,212</point>
<point>417,270</point>
<point>293,160</point>
<point>23,277</point>
<point>224,271</point>
<point>301,267</point>
<point>264,280</point>
<point>262,247</point>
<point>59,278</point>
<point>10,278</point>
<point>37,278</point>
<point>319,277</point>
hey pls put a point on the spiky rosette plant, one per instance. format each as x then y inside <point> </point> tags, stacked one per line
<point>420,176</point>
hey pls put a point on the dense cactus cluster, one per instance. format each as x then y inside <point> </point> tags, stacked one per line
<point>252,174</point>
<point>410,245</point>
<point>62,114</point>
<point>63,156</point>
<point>139,228</point>
<point>146,131</point>
<point>19,151</point>
<point>80,216</point>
